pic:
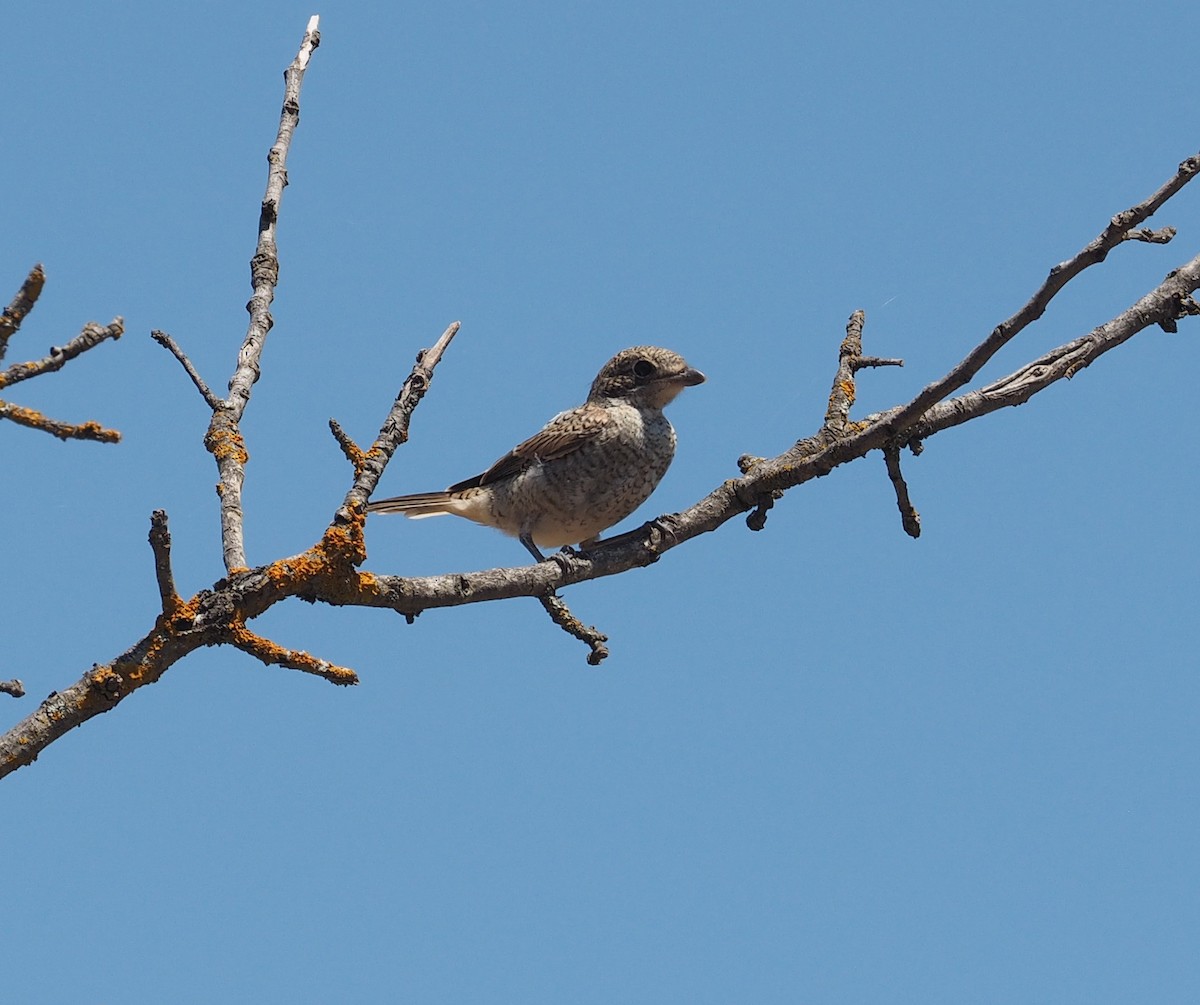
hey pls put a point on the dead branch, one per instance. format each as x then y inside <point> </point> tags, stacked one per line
<point>22,304</point>
<point>329,570</point>
<point>224,439</point>
<point>58,357</point>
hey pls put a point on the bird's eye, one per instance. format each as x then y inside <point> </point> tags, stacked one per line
<point>643,368</point>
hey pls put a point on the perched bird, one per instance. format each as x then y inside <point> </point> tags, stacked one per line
<point>587,469</point>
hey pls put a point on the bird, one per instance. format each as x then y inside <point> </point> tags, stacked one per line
<point>585,470</point>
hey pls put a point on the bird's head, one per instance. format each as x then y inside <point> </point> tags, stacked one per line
<point>644,375</point>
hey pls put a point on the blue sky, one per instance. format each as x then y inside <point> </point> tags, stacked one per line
<point>824,763</point>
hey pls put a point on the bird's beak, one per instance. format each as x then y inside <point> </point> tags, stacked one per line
<point>691,377</point>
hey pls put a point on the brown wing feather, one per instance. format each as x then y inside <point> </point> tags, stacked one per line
<point>562,435</point>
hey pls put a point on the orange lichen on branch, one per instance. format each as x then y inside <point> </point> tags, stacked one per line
<point>330,561</point>
<point>272,653</point>
<point>63,430</point>
<point>182,613</point>
<point>287,575</point>
<point>369,584</point>
<point>224,441</point>
<point>353,452</point>
<point>344,542</point>
<point>107,681</point>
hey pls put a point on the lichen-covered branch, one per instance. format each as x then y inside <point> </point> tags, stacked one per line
<point>267,652</point>
<point>219,616</point>
<point>58,357</point>
<point>33,419</point>
<point>330,570</point>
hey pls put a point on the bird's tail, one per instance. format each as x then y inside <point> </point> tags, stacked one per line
<point>415,506</point>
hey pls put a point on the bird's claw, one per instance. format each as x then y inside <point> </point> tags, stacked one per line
<point>565,558</point>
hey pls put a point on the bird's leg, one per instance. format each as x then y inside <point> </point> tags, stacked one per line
<point>527,540</point>
<point>561,558</point>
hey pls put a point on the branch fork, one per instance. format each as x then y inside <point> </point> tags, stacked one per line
<point>329,571</point>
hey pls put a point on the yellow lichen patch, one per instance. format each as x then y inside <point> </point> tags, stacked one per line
<point>354,454</point>
<point>345,543</point>
<point>847,387</point>
<point>34,419</point>
<point>158,641</point>
<point>287,573</point>
<point>225,442</point>
<point>106,682</point>
<point>272,653</point>
<point>26,416</point>
<point>179,613</point>
<point>369,584</point>
<point>105,676</point>
<point>94,431</point>
<point>342,676</point>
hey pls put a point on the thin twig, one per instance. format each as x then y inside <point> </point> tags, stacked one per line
<point>1164,235</point>
<point>909,516</point>
<point>841,397</point>
<point>224,438</point>
<point>352,451</point>
<point>850,361</point>
<point>33,419</point>
<point>561,615</point>
<point>1162,306</point>
<point>89,337</point>
<point>1115,233</point>
<point>168,343</point>
<point>160,545</point>
<point>394,430</point>
<point>271,654</point>
<point>22,304</point>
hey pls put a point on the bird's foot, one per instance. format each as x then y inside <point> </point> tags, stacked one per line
<point>565,558</point>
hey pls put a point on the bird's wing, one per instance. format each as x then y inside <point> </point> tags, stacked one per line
<point>562,435</point>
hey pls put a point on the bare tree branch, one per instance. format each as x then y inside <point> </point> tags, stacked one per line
<point>224,439</point>
<point>218,616</point>
<point>1163,235</point>
<point>394,430</point>
<point>160,544</point>
<point>90,337</point>
<point>22,304</point>
<point>561,615</point>
<point>168,343</point>
<point>329,570</point>
<point>33,419</point>
<point>12,687</point>
<point>351,450</point>
<point>273,655</point>
<point>58,357</point>
<point>1115,233</point>
<point>909,517</point>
